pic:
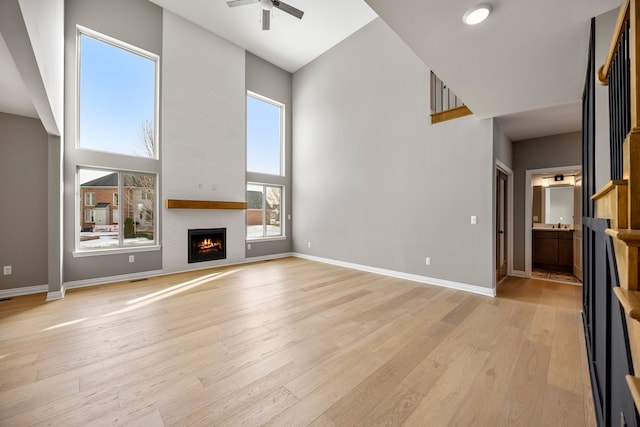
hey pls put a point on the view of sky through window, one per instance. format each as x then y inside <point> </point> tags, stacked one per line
<point>263,136</point>
<point>117,99</point>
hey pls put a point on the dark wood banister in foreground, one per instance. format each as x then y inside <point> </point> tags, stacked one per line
<point>627,239</point>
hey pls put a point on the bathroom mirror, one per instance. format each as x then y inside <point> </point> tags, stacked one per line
<point>558,205</point>
<point>553,205</point>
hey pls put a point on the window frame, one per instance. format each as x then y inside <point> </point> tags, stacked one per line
<point>264,236</point>
<point>121,248</point>
<point>109,161</point>
<point>88,213</point>
<point>282,155</point>
<point>89,198</point>
<point>80,31</point>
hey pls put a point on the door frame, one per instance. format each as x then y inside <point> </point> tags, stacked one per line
<point>528,206</point>
<point>499,166</point>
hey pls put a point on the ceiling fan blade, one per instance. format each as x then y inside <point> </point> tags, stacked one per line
<point>266,19</point>
<point>288,8</point>
<point>234,3</point>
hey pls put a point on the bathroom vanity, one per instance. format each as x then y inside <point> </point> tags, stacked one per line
<point>553,249</point>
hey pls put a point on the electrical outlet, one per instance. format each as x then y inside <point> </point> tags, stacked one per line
<point>428,260</point>
<point>132,258</point>
<point>289,217</point>
<point>7,270</point>
<point>248,246</point>
<point>308,244</point>
<point>473,219</point>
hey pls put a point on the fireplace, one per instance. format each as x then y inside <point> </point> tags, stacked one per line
<point>207,244</point>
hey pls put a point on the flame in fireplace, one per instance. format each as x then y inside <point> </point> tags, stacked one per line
<point>209,245</point>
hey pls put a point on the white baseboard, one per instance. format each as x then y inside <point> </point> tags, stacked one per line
<point>519,273</point>
<point>148,274</point>
<point>55,295</point>
<point>268,257</point>
<point>111,279</point>
<point>489,292</point>
<point>51,296</point>
<point>27,290</point>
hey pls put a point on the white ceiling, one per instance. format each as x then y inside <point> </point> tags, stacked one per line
<point>526,57</point>
<point>523,65</point>
<point>291,43</point>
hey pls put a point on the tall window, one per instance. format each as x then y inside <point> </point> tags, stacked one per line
<point>264,211</point>
<point>264,135</point>
<point>100,226</point>
<point>117,97</point>
<point>117,114</point>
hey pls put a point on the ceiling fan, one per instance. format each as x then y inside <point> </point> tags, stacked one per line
<point>267,6</point>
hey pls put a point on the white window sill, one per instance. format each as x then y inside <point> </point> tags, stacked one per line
<point>115,251</point>
<point>266,239</point>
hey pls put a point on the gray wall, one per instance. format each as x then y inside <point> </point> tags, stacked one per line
<point>23,191</point>
<point>375,183</point>
<point>502,146</point>
<point>266,79</point>
<point>136,22</point>
<point>538,153</point>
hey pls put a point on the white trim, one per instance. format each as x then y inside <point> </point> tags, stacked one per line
<point>281,106</point>
<point>510,184</point>
<point>528,222</point>
<point>265,239</point>
<point>111,279</point>
<point>55,295</point>
<point>148,274</point>
<point>268,257</point>
<point>115,251</point>
<point>519,273</point>
<point>27,290</point>
<point>489,292</point>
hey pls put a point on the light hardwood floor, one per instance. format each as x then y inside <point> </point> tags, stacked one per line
<point>293,342</point>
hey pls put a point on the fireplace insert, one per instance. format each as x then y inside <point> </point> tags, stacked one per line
<point>207,244</point>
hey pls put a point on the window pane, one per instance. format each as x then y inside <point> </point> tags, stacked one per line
<point>273,211</point>
<point>138,207</point>
<point>255,212</point>
<point>97,227</point>
<point>264,137</point>
<point>117,99</point>
<point>264,210</point>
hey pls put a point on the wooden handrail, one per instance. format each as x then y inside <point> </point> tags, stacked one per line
<point>623,16</point>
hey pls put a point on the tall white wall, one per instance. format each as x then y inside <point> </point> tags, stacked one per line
<point>375,183</point>
<point>203,137</point>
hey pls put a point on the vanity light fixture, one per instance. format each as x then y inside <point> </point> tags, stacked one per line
<point>477,14</point>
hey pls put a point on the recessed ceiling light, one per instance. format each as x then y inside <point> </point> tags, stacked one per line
<point>476,14</point>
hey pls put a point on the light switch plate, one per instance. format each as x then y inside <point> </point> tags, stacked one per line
<point>473,219</point>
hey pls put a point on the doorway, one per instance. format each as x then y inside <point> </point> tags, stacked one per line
<point>502,228</point>
<point>552,217</point>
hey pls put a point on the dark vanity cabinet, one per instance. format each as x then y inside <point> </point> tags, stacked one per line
<point>553,249</point>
